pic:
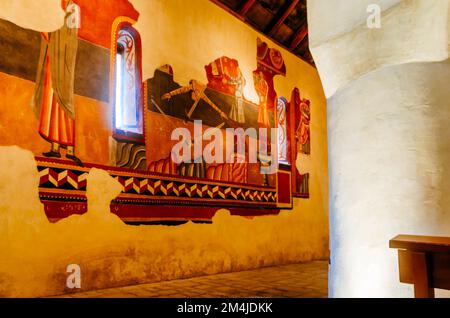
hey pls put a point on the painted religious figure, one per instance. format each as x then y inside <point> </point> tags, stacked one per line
<point>197,90</point>
<point>237,108</point>
<point>302,142</point>
<point>53,100</point>
<point>303,131</point>
<point>270,64</point>
<point>262,89</point>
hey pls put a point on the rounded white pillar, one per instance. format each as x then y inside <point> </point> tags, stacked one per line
<point>389,150</point>
<point>389,136</point>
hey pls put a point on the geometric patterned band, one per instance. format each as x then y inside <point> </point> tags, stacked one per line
<point>59,179</point>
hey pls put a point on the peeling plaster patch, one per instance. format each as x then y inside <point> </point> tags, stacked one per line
<point>40,15</point>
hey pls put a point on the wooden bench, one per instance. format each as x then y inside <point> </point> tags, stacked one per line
<point>424,262</point>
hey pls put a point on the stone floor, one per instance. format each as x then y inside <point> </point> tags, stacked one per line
<point>308,280</point>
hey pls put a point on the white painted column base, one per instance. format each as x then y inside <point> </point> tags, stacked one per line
<point>388,95</point>
<point>389,141</point>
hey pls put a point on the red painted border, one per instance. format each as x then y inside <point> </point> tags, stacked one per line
<point>60,203</point>
<point>58,210</point>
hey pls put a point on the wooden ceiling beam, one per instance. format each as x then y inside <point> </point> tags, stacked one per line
<point>282,17</point>
<point>299,37</point>
<point>246,7</point>
<point>302,48</point>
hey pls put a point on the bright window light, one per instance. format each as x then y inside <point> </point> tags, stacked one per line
<point>119,90</point>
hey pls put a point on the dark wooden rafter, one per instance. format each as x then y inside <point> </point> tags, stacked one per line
<point>299,37</point>
<point>303,49</point>
<point>246,7</point>
<point>282,16</point>
<point>288,26</point>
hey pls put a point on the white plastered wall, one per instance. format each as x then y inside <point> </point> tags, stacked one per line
<point>389,136</point>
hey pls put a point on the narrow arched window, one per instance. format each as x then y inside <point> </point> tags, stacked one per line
<point>282,121</point>
<point>128,102</point>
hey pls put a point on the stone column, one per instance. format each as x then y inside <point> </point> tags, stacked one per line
<point>388,93</point>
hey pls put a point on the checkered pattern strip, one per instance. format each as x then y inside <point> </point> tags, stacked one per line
<point>148,187</point>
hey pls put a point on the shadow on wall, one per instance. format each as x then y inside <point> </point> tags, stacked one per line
<point>35,253</point>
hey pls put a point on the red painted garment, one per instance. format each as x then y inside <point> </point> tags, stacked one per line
<point>55,125</point>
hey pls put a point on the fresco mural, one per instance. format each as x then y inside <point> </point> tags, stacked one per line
<point>303,118</point>
<point>92,108</point>
<point>53,100</point>
<point>301,115</point>
<point>270,64</point>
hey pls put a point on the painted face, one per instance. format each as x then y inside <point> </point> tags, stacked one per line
<point>276,58</point>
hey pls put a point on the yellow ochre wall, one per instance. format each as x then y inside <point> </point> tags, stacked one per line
<point>186,35</point>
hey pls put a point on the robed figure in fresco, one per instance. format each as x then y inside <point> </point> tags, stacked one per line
<point>197,91</point>
<point>303,131</point>
<point>302,122</point>
<point>53,100</point>
<point>237,109</point>
<point>262,89</point>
